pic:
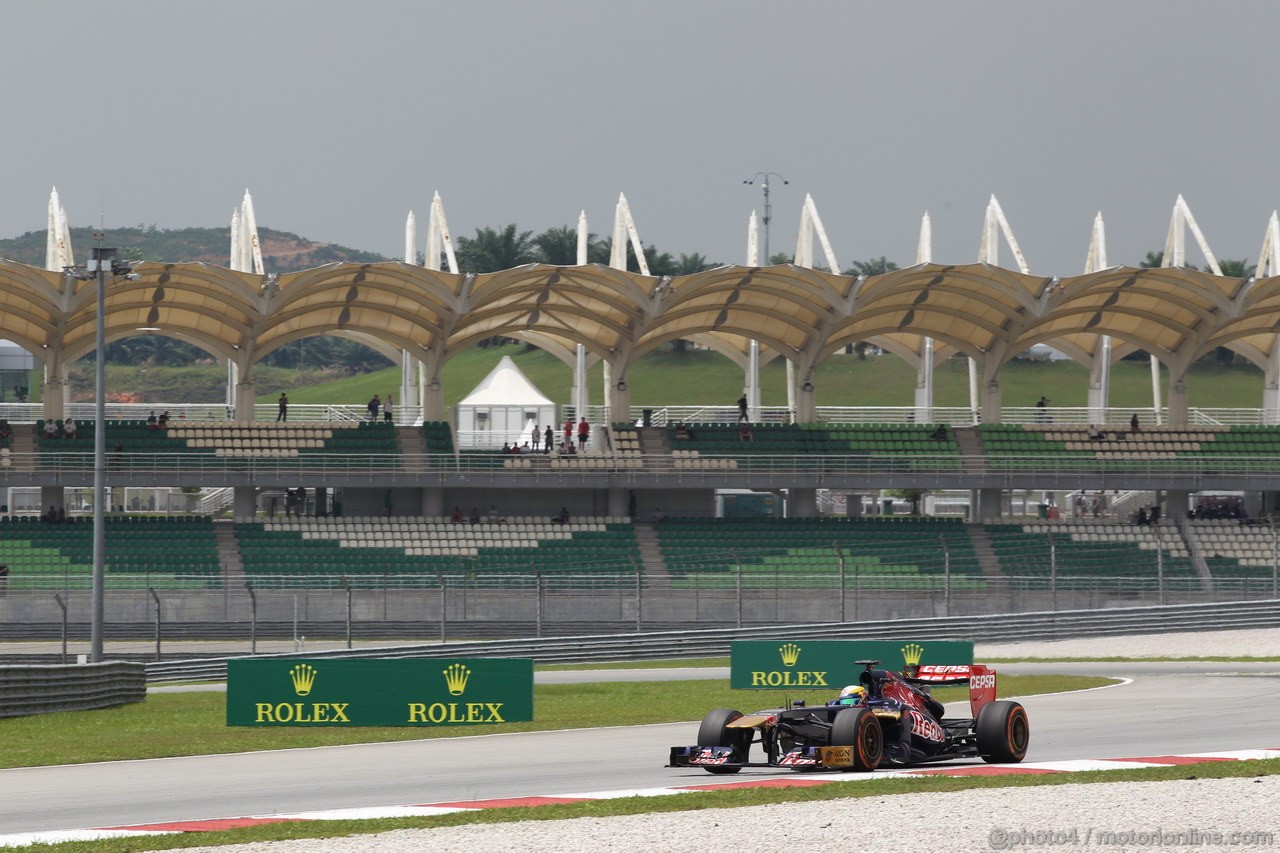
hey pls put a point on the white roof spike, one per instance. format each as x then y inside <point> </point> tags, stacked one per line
<point>811,225</point>
<point>51,233</point>
<point>584,238</point>
<point>66,256</point>
<point>1096,259</point>
<point>753,240</point>
<point>1175,246</point>
<point>924,247</point>
<point>624,228</point>
<point>996,219</point>
<point>410,239</point>
<point>1269,257</point>
<point>250,224</point>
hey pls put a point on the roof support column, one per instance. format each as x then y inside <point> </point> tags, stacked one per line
<point>1177,400</point>
<point>1100,382</point>
<point>924,385</point>
<point>1271,386</point>
<point>806,403</point>
<point>753,381</point>
<point>53,396</point>
<point>433,408</point>
<point>619,398</point>
<point>244,402</point>
<point>991,401</point>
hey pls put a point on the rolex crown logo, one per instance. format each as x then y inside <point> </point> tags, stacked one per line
<point>911,654</point>
<point>303,675</point>
<point>790,653</point>
<point>455,678</point>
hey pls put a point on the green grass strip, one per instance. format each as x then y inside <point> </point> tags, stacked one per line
<point>175,724</point>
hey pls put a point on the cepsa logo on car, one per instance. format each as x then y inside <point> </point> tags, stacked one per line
<point>926,728</point>
<point>982,682</point>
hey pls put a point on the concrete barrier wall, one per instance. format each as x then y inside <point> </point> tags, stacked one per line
<point>27,690</point>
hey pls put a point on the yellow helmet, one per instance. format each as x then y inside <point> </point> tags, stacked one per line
<point>854,694</point>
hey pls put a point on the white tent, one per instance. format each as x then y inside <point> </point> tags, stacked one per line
<point>504,407</point>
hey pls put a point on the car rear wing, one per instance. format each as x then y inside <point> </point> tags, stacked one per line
<point>980,678</point>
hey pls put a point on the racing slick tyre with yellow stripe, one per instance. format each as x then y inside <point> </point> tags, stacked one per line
<point>859,728</point>
<point>714,731</point>
<point>1003,732</point>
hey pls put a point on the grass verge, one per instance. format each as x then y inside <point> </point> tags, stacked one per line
<point>174,724</point>
<point>672,803</point>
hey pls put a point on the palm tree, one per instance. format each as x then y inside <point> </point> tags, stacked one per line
<point>558,245</point>
<point>491,251</point>
<point>872,266</point>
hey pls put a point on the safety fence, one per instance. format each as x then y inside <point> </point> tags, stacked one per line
<point>26,690</point>
<point>535,466</point>
<point>1001,627</point>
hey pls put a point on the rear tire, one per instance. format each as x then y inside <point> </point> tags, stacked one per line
<point>859,728</point>
<point>714,731</point>
<point>1003,732</point>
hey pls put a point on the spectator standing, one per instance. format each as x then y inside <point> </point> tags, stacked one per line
<point>568,430</point>
<point>282,408</point>
<point>1041,414</point>
<point>584,433</point>
<point>1134,426</point>
<point>742,408</point>
<point>537,438</point>
<point>547,439</point>
<point>387,415</point>
<point>152,423</point>
<point>373,407</point>
<point>456,517</point>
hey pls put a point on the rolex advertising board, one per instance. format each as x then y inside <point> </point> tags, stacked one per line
<point>829,664</point>
<point>418,692</point>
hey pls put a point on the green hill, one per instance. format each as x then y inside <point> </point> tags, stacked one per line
<point>695,377</point>
<point>281,251</point>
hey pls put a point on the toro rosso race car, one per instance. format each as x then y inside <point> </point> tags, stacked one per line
<point>886,719</point>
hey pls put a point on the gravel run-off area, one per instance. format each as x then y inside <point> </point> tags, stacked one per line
<point>1200,815</point>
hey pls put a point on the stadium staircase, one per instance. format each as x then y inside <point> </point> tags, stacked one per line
<point>969,443</point>
<point>655,568</point>
<point>233,575</point>
<point>985,551</point>
<point>412,442</point>
<point>653,441</point>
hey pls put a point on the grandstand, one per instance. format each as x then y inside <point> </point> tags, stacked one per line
<point>375,551</point>
<point>642,498</point>
<point>171,552</point>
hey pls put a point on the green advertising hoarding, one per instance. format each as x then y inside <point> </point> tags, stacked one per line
<point>418,692</point>
<point>829,664</point>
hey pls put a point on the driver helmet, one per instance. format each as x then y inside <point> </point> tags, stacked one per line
<point>854,694</point>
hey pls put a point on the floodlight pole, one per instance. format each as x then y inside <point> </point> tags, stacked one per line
<point>763,178</point>
<point>98,611</point>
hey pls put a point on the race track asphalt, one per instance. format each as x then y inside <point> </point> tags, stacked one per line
<point>1157,714</point>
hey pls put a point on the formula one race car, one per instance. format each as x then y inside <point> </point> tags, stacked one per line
<point>887,719</point>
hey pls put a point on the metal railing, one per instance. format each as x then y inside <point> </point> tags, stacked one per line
<point>1003,627</point>
<point>194,465</point>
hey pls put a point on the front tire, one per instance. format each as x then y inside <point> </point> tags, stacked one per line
<point>859,728</point>
<point>714,731</point>
<point>1003,732</point>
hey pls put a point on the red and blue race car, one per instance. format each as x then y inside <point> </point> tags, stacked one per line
<point>887,720</point>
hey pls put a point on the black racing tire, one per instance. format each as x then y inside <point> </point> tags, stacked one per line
<point>714,731</point>
<point>860,729</point>
<point>1003,732</point>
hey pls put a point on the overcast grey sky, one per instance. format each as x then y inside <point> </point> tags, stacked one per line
<point>342,116</point>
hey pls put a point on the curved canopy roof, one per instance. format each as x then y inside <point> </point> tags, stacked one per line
<point>802,314</point>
